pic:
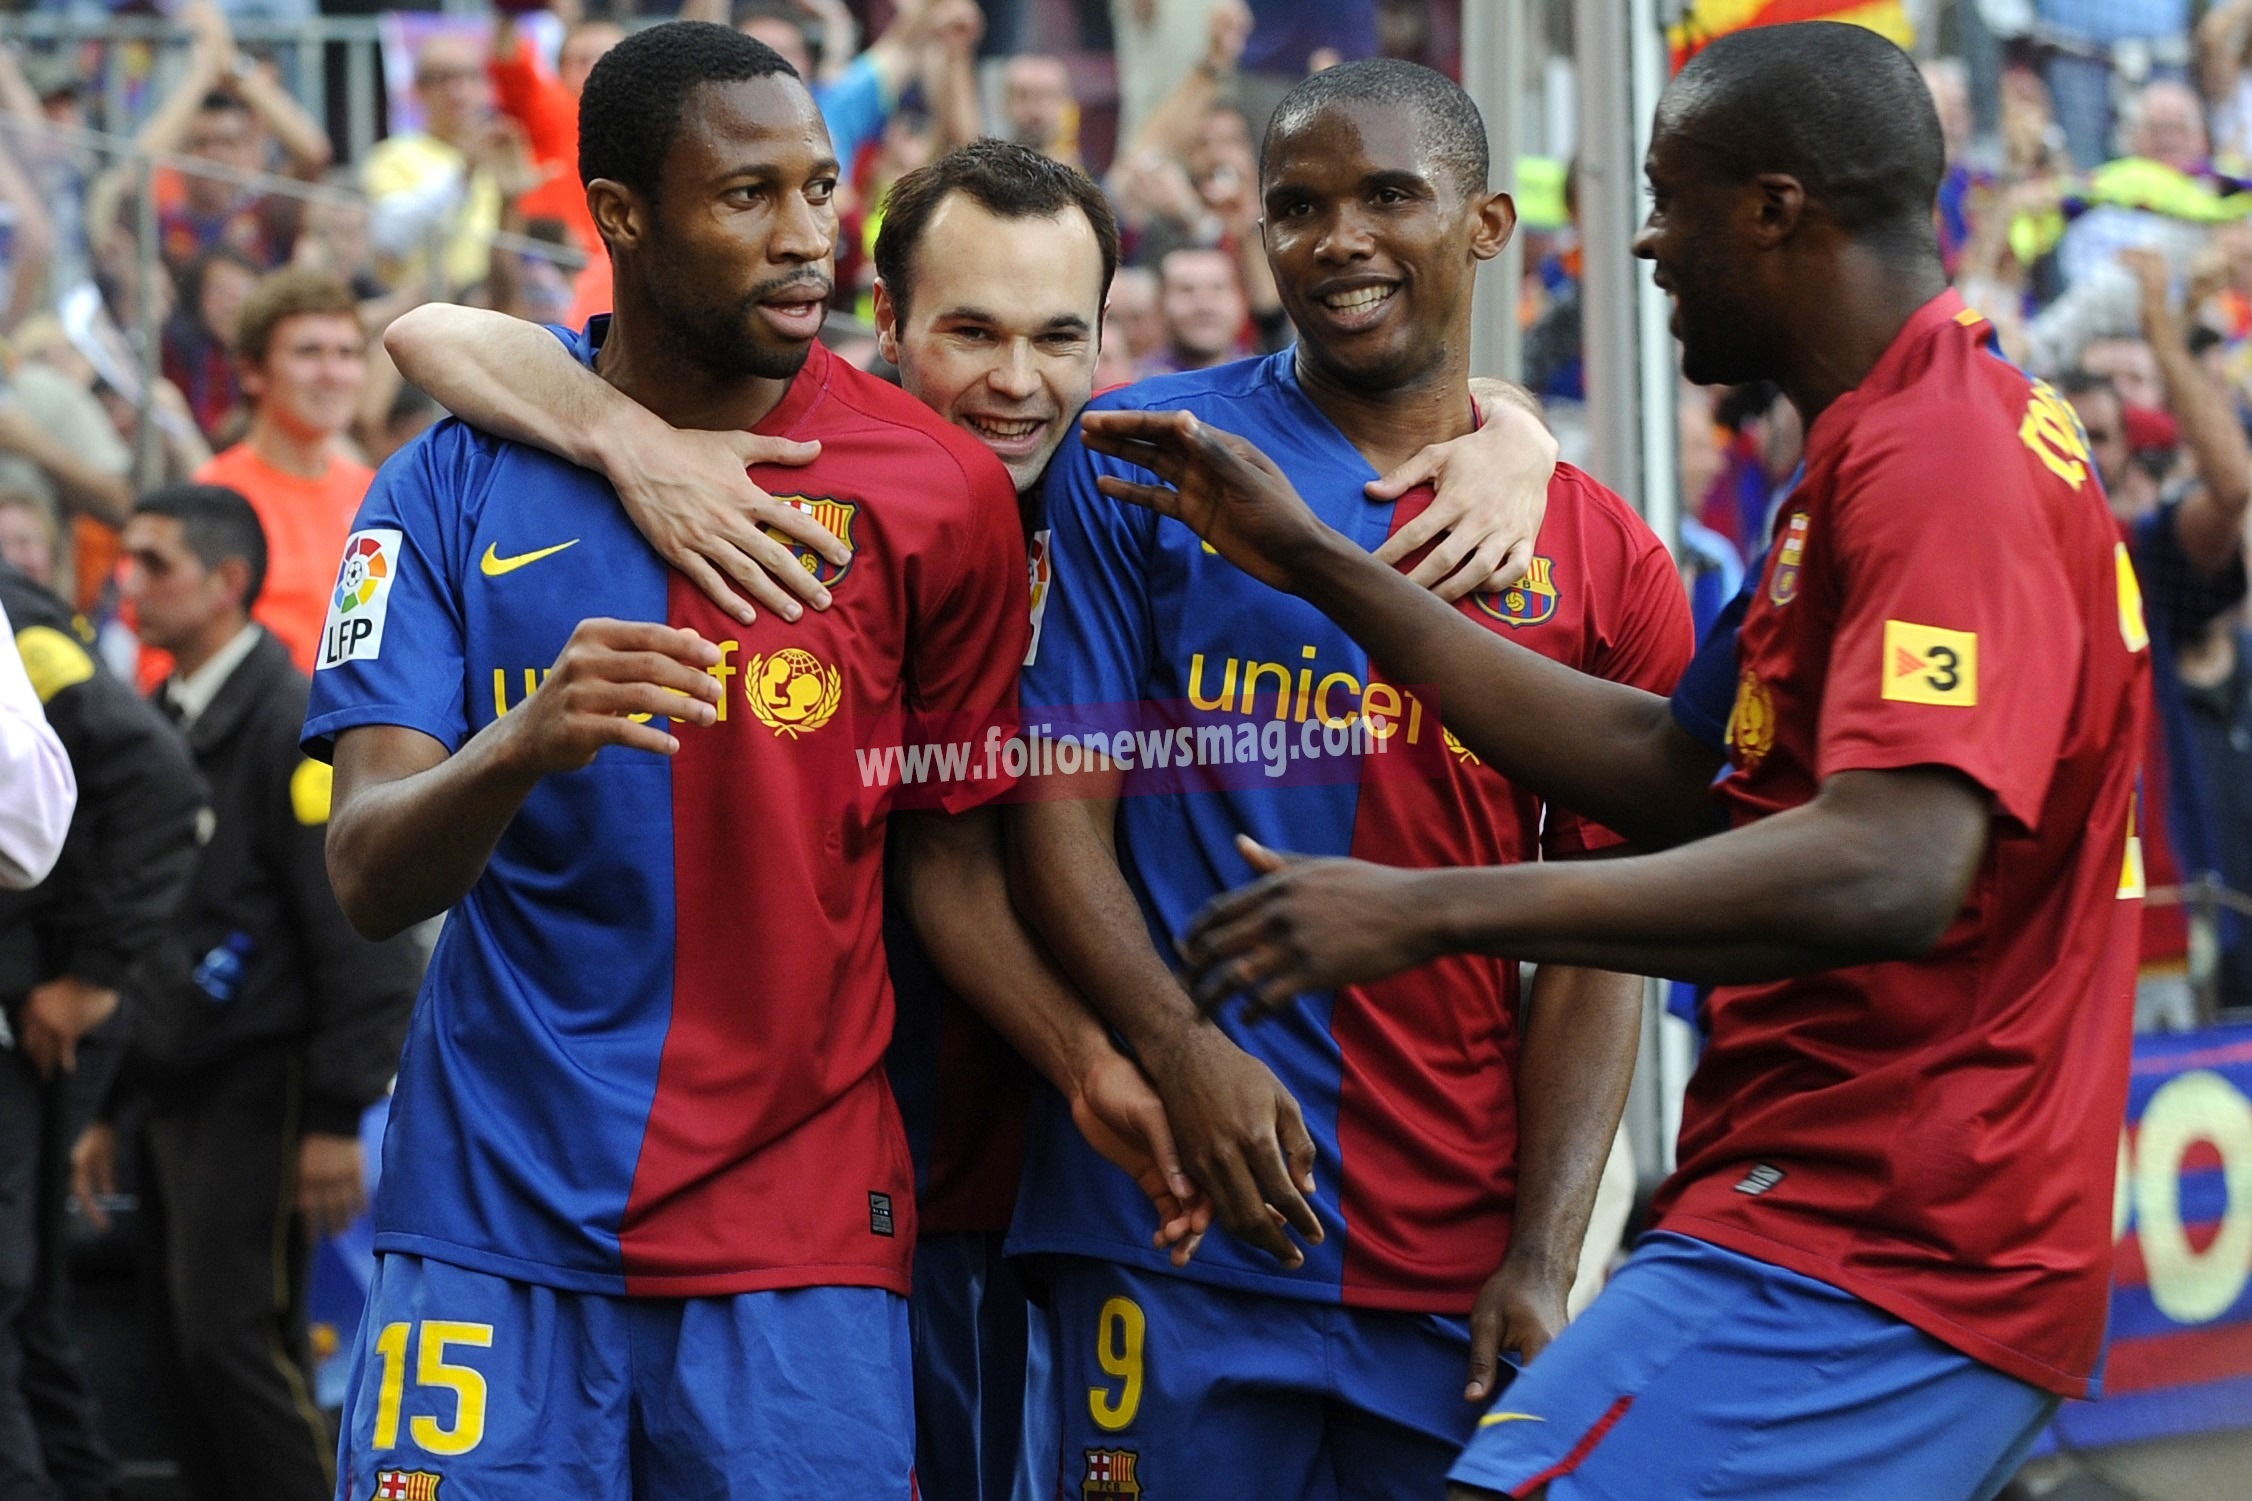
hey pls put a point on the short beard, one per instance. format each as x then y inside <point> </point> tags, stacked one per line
<point>716,339</point>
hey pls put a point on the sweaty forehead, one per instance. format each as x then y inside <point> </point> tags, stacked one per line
<point>1346,140</point>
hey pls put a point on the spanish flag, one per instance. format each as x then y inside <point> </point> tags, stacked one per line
<point>1707,20</point>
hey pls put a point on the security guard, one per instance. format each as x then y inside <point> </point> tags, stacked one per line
<point>67,947</point>
<point>262,1033</point>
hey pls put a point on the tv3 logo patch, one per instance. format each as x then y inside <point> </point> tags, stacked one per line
<point>1925,664</point>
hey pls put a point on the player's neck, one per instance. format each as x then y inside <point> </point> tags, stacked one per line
<point>1391,426</point>
<point>633,359</point>
<point>305,455</point>
<point>1851,319</point>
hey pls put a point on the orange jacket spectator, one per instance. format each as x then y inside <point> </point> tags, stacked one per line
<point>549,113</point>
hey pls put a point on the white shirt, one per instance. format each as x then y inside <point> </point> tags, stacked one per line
<point>191,693</point>
<point>38,790</point>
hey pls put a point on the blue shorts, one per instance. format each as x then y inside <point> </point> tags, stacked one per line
<point>1176,1389</point>
<point>524,1393</point>
<point>969,1319</point>
<point>1702,1372</point>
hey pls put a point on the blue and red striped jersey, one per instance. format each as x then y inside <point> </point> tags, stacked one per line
<point>1408,1086</point>
<point>648,1054</point>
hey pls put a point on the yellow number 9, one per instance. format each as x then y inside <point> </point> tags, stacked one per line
<point>1118,1345</point>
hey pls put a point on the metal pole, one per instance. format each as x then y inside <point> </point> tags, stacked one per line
<point>312,75</point>
<point>359,97</point>
<point>1609,166</point>
<point>1493,72</point>
<point>148,438</point>
<point>1661,407</point>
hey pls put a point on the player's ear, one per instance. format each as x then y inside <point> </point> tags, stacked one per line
<point>1497,221</point>
<point>887,323</point>
<point>1780,203</point>
<point>619,214</point>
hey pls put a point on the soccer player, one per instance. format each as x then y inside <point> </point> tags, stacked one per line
<point>1433,1143</point>
<point>644,1223</point>
<point>1885,1255</point>
<point>993,266</point>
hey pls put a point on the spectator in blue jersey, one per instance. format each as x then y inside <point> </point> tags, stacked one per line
<point>1405,1200</point>
<point>993,265</point>
<point>858,92</point>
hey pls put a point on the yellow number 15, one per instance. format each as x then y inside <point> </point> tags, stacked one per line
<point>431,1369</point>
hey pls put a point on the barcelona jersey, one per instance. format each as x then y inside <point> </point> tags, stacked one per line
<point>1939,1136</point>
<point>1407,1085</point>
<point>647,1056</point>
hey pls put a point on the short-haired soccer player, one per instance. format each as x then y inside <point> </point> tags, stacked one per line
<point>1885,1255</point>
<point>646,1212</point>
<point>1406,1170</point>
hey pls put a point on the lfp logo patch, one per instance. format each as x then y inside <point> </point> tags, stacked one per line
<point>1529,601</point>
<point>363,597</point>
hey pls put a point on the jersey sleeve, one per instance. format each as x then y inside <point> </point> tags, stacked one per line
<point>969,638</point>
<point>1957,630</point>
<point>1094,634</point>
<point>393,648</point>
<point>1650,649</point>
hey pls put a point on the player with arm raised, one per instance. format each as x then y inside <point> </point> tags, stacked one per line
<point>1915,885</point>
<point>1405,1173</point>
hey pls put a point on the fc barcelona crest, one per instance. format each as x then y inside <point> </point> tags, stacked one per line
<point>1110,1475</point>
<point>1529,601</point>
<point>837,517</point>
<point>1789,554</point>
<point>406,1485</point>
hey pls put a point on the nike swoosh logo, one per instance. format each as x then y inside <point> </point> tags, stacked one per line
<point>493,565</point>
<point>1491,1418</point>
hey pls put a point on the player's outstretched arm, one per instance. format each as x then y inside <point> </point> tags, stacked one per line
<point>1607,751</point>
<point>411,827</point>
<point>1489,495</point>
<point>686,489</point>
<point>1577,1057</point>
<point>954,879</point>
<point>1874,868</point>
<point>1241,1134</point>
